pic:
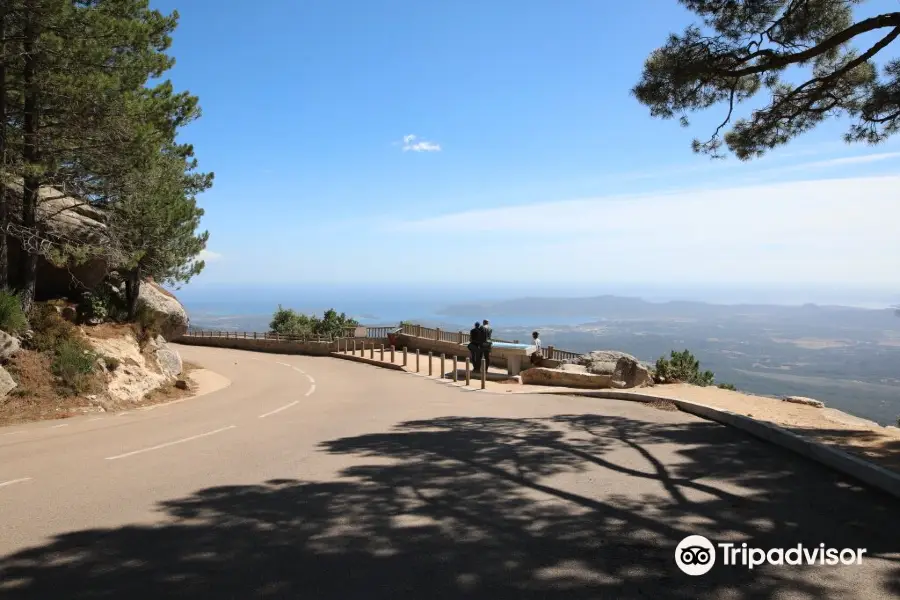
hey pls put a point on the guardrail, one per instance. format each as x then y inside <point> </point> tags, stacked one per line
<point>430,333</point>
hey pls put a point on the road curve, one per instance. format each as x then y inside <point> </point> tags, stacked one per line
<point>321,478</point>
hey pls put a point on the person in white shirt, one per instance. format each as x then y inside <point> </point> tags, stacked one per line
<point>538,348</point>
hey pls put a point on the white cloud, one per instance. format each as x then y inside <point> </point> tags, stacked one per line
<point>412,143</point>
<point>209,256</point>
<point>837,230</point>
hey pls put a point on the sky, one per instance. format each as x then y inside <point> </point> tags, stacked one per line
<point>400,141</point>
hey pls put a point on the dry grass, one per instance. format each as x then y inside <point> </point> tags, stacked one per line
<point>37,397</point>
<point>108,331</point>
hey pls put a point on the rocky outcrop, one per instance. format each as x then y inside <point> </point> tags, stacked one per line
<point>574,376</point>
<point>9,346</point>
<point>167,358</point>
<point>621,367</point>
<point>804,400</point>
<point>7,383</point>
<point>68,219</point>
<point>166,312</point>
<point>137,372</point>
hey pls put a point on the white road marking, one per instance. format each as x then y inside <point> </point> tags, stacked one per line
<point>14,433</point>
<point>58,426</point>
<point>12,481</point>
<point>94,419</point>
<point>167,444</point>
<point>311,389</point>
<point>122,414</point>
<point>283,364</point>
<point>278,410</point>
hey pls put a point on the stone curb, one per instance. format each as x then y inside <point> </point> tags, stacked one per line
<point>841,461</point>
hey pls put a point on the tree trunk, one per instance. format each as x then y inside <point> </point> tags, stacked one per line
<point>28,257</point>
<point>132,290</point>
<point>4,251</point>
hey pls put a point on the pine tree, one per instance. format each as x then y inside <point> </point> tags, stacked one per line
<point>743,47</point>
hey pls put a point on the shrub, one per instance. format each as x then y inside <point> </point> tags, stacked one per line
<point>50,329</point>
<point>112,363</point>
<point>146,326</point>
<point>104,302</point>
<point>73,363</point>
<point>286,321</point>
<point>12,318</point>
<point>682,367</point>
<point>727,386</point>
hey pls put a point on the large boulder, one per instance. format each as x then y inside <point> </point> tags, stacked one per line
<point>67,219</point>
<point>622,367</point>
<point>166,312</point>
<point>168,359</point>
<point>9,346</point>
<point>7,383</point>
<point>573,376</point>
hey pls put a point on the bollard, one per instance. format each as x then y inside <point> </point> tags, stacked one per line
<point>417,360</point>
<point>430,365</point>
<point>354,346</point>
<point>392,354</point>
<point>382,353</point>
<point>443,372</point>
<point>468,372</point>
<point>404,356</point>
<point>455,368</point>
<point>372,351</point>
<point>483,372</point>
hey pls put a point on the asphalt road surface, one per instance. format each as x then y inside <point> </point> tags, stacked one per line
<point>321,478</point>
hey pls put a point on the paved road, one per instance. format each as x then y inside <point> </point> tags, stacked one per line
<point>321,478</point>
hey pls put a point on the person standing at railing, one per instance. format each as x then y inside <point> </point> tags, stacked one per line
<point>538,354</point>
<point>487,333</point>
<point>475,339</point>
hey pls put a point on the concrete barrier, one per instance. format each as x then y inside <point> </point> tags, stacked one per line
<point>848,464</point>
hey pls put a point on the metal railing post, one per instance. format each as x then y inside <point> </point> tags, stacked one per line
<point>382,353</point>
<point>417,360</point>
<point>443,372</point>
<point>430,365</point>
<point>468,371</point>
<point>483,372</point>
<point>392,354</point>
<point>404,356</point>
<point>455,368</point>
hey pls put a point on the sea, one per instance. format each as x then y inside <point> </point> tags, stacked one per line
<point>240,306</point>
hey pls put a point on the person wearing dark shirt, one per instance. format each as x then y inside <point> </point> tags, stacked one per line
<point>487,333</point>
<point>475,338</point>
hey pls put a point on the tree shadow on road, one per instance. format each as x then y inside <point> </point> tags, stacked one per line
<point>569,507</point>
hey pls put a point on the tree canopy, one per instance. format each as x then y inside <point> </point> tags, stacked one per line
<point>287,321</point>
<point>810,58</point>
<point>80,113</point>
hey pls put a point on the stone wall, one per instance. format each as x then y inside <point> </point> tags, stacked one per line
<point>424,345</point>
<point>275,346</point>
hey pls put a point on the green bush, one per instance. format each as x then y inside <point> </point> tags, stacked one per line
<point>73,363</point>
<point>727,386</point>
<point>112,363</point>
<point>286,321</point>
<point>50,329</point>
<point>12,318</point>
<point>682,367</point>
<point>104,302</point>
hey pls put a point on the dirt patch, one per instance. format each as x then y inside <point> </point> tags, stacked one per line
<point>666,405</point>
<point>108,331</point>
<point>37,398</point>
<point>867,440</point>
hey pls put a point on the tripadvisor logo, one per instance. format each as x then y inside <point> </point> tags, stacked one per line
<point>696,555</point>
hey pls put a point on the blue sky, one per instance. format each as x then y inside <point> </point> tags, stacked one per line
<point>529,154</point>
